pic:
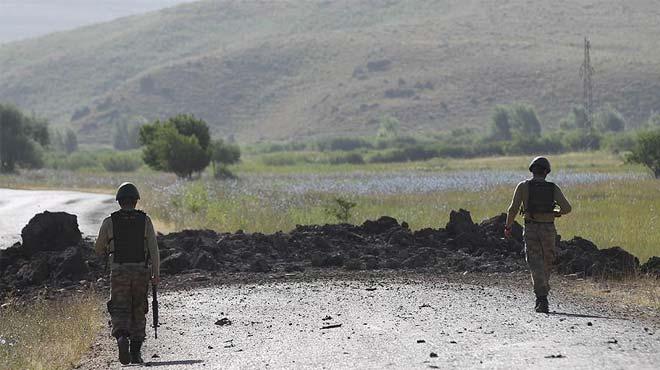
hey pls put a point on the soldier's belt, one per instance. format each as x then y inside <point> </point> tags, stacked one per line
<point>538,222</point>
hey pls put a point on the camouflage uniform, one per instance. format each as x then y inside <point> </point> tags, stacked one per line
<point>540,240</point>
<point>540,235</point>
<point>129,283</point>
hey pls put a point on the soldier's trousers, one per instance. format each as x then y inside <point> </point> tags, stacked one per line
<point>540,244</point>
<point>128,301</point>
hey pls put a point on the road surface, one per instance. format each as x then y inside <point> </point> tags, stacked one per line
<point>17,207</point>
<point>383,322</point>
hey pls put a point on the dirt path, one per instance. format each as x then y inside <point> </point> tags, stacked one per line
<point>17,207</point>
<point>387,322</point>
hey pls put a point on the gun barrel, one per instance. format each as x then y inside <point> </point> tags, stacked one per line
<point>154,310</point>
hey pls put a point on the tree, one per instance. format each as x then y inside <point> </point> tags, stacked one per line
<point>126,138</point>
<point>223,155</point>
<point>577,119</point>
<point>611,120</point>
<point>70,141</point>
<point>179,145</point>
<point>22,139</point>
<point>525,121</point>
<point>501,129</point>
<point>647,151</point>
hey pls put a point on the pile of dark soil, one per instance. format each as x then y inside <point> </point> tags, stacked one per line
<point>54,254</point>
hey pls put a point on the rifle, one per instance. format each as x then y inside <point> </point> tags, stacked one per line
<point>154,309</point>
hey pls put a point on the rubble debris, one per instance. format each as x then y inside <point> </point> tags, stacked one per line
<point>223,322</point>
<point>54,254</point>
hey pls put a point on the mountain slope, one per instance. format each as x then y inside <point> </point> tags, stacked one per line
<point>280,70</point>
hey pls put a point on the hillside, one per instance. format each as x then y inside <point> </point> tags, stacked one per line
<point>294,69</point>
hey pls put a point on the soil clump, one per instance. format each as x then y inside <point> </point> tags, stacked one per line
<point>54,254</point>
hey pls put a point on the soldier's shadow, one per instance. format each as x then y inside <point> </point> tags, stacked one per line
<point>173,363</point>
<point>585,316</point>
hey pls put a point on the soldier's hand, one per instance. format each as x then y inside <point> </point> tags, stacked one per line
<point>155,280</point>
<point>507,232</point>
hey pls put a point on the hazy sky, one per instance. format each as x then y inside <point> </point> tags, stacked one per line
<point>20,19</point>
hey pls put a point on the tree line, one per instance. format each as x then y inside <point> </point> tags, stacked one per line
<point>180,144</point>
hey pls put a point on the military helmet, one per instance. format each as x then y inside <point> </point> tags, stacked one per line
<point>542,162</point>
<point>127,190</point>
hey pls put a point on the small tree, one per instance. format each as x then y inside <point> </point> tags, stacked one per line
<point>611,120</point>
<point>179,145</point>
<point>223,155</point>
<point>501,129</point>
<point>647,151</point>
<point>340,209</point>
<point>525,121</point>
<point>70,141</point>
<point>22,139</point>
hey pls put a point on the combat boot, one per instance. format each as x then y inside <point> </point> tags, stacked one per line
<point>124,355</point>
<point>542,304</point>
<point>136,356</point>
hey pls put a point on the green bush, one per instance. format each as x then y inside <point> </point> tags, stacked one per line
<point>282,159</point>
<point>121,163</point>
<point>343,143</point>
<point>73,162</point>
<point>618,142</point>
<point>581,140</point>
<point>647,151</point>
<point>346,158</point>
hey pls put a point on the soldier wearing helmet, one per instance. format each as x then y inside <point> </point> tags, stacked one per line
<point>540,202</point>
<point>128,236</point>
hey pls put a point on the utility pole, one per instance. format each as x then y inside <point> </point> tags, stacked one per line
<point>586,72</point>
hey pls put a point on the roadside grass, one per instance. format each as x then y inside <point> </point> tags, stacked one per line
<point>615,213</point>
<point>49,334</point>
<point>640,291</point>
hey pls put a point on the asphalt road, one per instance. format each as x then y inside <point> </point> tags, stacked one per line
<point>17,207</point>
<point>383,322</point>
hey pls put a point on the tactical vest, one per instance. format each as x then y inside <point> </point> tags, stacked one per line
<point>128,229</point>
<point>541,197</point>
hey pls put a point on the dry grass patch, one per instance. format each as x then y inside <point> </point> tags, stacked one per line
<point>49,334</point>
<point>640,291</point>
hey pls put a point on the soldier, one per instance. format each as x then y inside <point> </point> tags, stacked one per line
<point>129,236</point>
<point>539,200</point>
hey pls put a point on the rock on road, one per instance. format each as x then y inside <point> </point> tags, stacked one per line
<point>17,207</point>
<point>376,322</point>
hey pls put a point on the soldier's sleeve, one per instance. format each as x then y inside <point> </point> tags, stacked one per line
<point>564,205</point>
<point>152,246</point>
<point>514,207</point>
<point>103,239</point>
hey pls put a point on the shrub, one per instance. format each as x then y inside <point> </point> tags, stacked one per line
<point>580,140</point>
<point>346,158</point>
<point>340,209</point>
<point>121,163</point>
<point>647,151</point>
<point>611,120</point>
<point>343,143</point>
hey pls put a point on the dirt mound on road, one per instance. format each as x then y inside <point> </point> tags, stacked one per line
<point>53,253</point>
<point>462,246</point>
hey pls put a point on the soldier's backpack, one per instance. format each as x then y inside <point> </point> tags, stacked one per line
<point>128,227</point>
<point>541,197</point>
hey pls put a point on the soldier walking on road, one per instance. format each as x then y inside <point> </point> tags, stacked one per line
<point>129,236</point>
<point>541,202</point>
